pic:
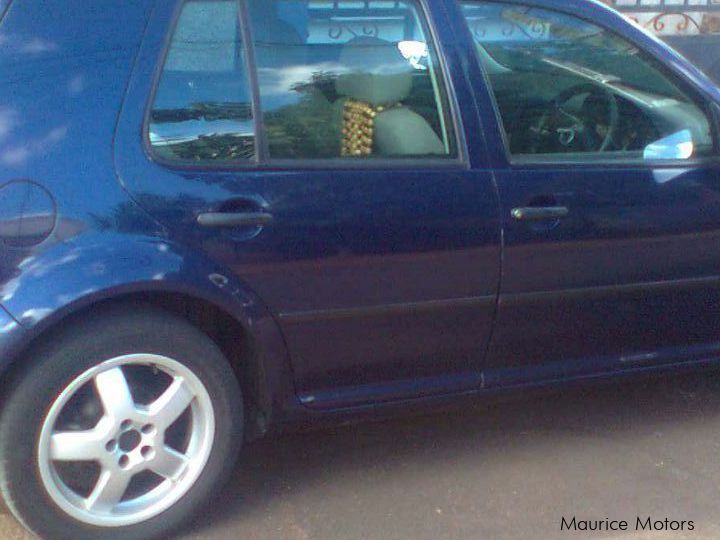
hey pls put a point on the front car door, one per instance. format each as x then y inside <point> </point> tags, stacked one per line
<point>610,195</point>
<point>315,150</point>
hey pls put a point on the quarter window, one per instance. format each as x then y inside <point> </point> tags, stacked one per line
<point>564,86</point>
<point>202,109</point>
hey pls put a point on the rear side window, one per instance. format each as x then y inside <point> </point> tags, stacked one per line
<point>334,80</point>
<point>348,79</point>
<point>203,107</point>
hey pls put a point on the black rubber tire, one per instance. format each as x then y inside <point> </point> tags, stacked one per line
<point>53,364</point>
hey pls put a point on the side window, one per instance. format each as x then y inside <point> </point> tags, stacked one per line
<point>202,109</point>
<point>565,86</point>
<point>344,79</point>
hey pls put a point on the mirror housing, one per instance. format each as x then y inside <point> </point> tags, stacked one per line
<point>678,145</point>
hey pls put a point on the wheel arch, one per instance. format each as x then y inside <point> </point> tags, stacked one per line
<point>62,282</point>
<point>233,337</point>
<point>233,334</point>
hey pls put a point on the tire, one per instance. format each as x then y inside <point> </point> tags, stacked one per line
<point>63,388</point>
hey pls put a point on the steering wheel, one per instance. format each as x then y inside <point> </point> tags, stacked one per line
<point>559,129</point>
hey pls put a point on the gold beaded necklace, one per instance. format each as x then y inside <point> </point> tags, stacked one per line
<point>358,127</point>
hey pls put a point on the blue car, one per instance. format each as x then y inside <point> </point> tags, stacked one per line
<point>220,218</point>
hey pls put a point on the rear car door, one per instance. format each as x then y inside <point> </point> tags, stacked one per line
<point>315,149</point>
<point>610,196</point>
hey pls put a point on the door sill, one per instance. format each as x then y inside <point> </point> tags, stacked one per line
<point>405,389</point>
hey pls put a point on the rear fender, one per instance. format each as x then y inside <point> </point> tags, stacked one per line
<point>51,285</point>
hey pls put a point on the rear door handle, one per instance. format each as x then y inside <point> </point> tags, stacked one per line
<point>234,219</point>
<point>539,213</point>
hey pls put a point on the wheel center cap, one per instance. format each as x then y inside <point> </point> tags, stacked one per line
<point>129,441</point>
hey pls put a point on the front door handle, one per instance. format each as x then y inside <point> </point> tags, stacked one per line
<point>539,213</point>
<point>234,219</point>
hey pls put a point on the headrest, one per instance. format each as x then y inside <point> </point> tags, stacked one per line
<point>374,71</point>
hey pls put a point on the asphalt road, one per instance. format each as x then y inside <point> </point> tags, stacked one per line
<point>501,471</point>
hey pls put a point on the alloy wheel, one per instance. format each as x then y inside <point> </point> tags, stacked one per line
<point>126,439</point>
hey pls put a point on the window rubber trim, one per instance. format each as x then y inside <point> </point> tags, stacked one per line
<point>262,147</point>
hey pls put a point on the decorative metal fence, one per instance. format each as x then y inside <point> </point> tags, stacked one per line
<point>673,17</point>
<point>691,26</point>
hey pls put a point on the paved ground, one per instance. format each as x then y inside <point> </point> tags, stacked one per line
<point>504,471</point>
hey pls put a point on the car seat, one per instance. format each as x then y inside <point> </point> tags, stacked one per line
<point>374,81</point>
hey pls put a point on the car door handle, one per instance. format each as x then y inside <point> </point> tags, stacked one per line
<point>234,219</point>
<point>539,213</point>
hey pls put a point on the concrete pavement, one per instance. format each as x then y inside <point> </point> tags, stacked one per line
<point>502,471</point>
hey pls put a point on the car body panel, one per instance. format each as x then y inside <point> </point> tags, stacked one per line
<point>376,275</point>
<point>631,273</point>
<point>65,72</point>
<point>12,336</point>
<point>70,124</point>
<point>72,277</point>
<point>630,277</point>
<point>61,97</point>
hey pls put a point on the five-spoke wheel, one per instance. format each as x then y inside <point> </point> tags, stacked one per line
<point>119,427</point>
<point>128,440</point>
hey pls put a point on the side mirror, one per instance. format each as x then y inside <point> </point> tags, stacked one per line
<point>679,145</point>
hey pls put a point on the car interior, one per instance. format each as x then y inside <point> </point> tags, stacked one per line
<point>324,56</point>
<point>565,86</point>
<point>351,80</point>
<point>313,60</point>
